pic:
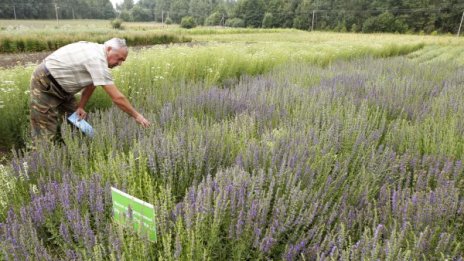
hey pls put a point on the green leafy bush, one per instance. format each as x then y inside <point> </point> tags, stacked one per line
<point>188,22</point>
<point>116,23</point>
<point>235,22</point>
<point>214,19</point>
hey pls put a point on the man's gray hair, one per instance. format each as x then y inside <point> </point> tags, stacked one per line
<point>116,43</point>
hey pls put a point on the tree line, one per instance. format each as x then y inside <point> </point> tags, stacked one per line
<point>50,9</point>
<point>441,16</point>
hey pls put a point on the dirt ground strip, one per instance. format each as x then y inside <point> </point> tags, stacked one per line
<point>14,59</point>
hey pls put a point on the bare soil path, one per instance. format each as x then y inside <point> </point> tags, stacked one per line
<point>13,59</point>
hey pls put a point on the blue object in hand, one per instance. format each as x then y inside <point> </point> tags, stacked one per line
<point>82,125</point>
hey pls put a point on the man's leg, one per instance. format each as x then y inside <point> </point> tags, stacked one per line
<point>45,116</point>
<point>45,125</point>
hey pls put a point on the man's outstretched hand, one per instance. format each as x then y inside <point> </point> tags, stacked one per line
<point>142,121</point>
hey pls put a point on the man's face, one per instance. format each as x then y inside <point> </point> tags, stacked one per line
<point>116,57</point>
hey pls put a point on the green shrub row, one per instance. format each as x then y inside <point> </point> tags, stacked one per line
<point>37,43</point>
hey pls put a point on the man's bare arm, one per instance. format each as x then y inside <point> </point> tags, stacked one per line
<point>86,94</point>
<point>121,101</point>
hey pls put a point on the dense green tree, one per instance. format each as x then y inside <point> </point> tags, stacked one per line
<point>303,15</point>
<point>450,16</point>
<point>199,10</point>
<point>268,20</point>
<point>125,15</point>
<point>139,13</point>
<point>385,22</point>
<point>252,12</point>
<point>148,8</point>
<point>50,9</point>
<point>162,8</point>
<point>126,5</point>
<point>179,9</point>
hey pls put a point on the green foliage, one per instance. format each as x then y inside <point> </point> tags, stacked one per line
<point>301,23</point>
<point>125,15</point>
<point>178,9</point>
<point>268,20</point>
<point>282,12</point>
<point>116,23</point>
<point>385,22</point>
<point>199,10</point>
<point>355,28</point>
<point>302,15</point>
<point>235,22</point>
<point>140,14</point>
<point>127,5</point>
<point>341,27</point>
<point>188,22</point>
<point>168,21</point>
<point>66,9</point>
<point>252,12</point>
<point>214,19</point>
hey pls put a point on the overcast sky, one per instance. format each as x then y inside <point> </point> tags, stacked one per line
<point>114,2</point>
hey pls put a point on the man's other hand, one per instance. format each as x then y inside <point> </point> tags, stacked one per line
<point>142,121</point>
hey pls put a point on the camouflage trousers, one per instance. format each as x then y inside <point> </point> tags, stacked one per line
<point>49,104</point>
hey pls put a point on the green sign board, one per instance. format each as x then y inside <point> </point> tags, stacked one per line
<point>131,210</point>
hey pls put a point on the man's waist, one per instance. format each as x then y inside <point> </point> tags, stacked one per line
<point>56,88</point>
<point>50,77</point>
<point>71,80</point>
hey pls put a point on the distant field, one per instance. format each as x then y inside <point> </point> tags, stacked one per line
<point>265,145</point>
<point>11,25</point>
<point>33,36</point>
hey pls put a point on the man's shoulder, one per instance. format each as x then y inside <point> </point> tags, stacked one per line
<point>91,51</point>
<point>78,53</point>
<point>89,46</point>
<point>80,47</point>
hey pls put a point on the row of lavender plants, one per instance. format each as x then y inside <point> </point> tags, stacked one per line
<point>360,160</point>
<point>159,67</point>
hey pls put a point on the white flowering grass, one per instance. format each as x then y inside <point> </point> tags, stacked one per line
<point>7,186</point>
<point>14,111</point>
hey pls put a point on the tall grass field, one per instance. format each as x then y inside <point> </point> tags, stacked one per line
<point>265,145</point>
